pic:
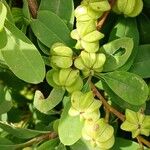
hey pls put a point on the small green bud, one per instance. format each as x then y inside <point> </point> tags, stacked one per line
<point>61,56</point>
<point>99,133</point>
<point>137,123</point>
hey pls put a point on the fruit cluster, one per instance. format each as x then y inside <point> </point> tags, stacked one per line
<point>95,130</point>
<point>69,70</point>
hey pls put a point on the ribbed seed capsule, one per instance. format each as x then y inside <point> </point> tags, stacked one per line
<point>95,8</point>
<point>84,105</point>
<point>61,56</point>
<point>90,62</point>
<point>89,42</point>
<point>99,133</point>
<point>130,8</point>
<point>137,123</point>
<point>66,78</point>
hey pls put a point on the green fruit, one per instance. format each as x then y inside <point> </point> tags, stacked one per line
<point>130,5</point>
<point>68,76</point>
<point>88,42</point>
<point>130,8</point>
<point>89,63</point>
<point>77,85</point>
<point>137,9</point>
<point>61,56</point>
<point>100,6</point>
<point>137,123</point>
<point>86,27</point>
<point>85,105</point>
<point>99,133</point>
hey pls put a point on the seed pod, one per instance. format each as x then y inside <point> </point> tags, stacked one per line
<point>85,105</point>
<point>90,62</point>
<point>130,8</point>
<point>86,27</point>
<point>61,56</point>
<point>99,133</point>
<point>137,9</point>
<point>88,42</point>
<point>83,13</point>
<point>97,5</point>
<point>66,78</point>
<point>137,123</point>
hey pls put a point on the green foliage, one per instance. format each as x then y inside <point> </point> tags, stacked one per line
<point>69,71</point>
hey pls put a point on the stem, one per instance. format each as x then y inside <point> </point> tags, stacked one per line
<point>116,112</point>
<point>104,16</point>
<point>33,7</point>
<point>140,143</point>
<point>41,138</point>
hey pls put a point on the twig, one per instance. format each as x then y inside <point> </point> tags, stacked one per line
<point>104,16</point>
<point>41,138</point>
<point>33,7</point>
<point>117,113</point>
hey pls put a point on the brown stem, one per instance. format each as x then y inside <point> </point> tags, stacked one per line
<point>140,143</point>
<point>116,112</point>
<point>104,16</point>
<point>41,138</point>
<point>33,7</point>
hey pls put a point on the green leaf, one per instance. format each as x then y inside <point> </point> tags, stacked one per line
<point>3,38</point>
<point>3,13</point>
<point>123,144</point>
<point>22,57</point>
<point>119,102</point>
<point>128,86</point>
<point>144,30</point>
<point>69,128</point>
<point>49,29</point>
<point>45,105</point>
<point>83,145</point>
<point>49,145</point>
<point>5,100</point>
<point>57,6</point>
<point>43,48</point>
<point>126,27</point>
<point>6,144</point>
<point>20,132</point>
<point>117,53</point>
<point>141,64</point>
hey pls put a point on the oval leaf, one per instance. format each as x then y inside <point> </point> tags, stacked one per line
<point>20,132</point>
<point>50,30</point>
<point>115,60</point>
<point>127,86</point>
<point>45,105</point>
<point>126,27</point>
<point>57,7</point>
<point>69,128</point>
<point>22,57</point>
<point>123,144</point>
